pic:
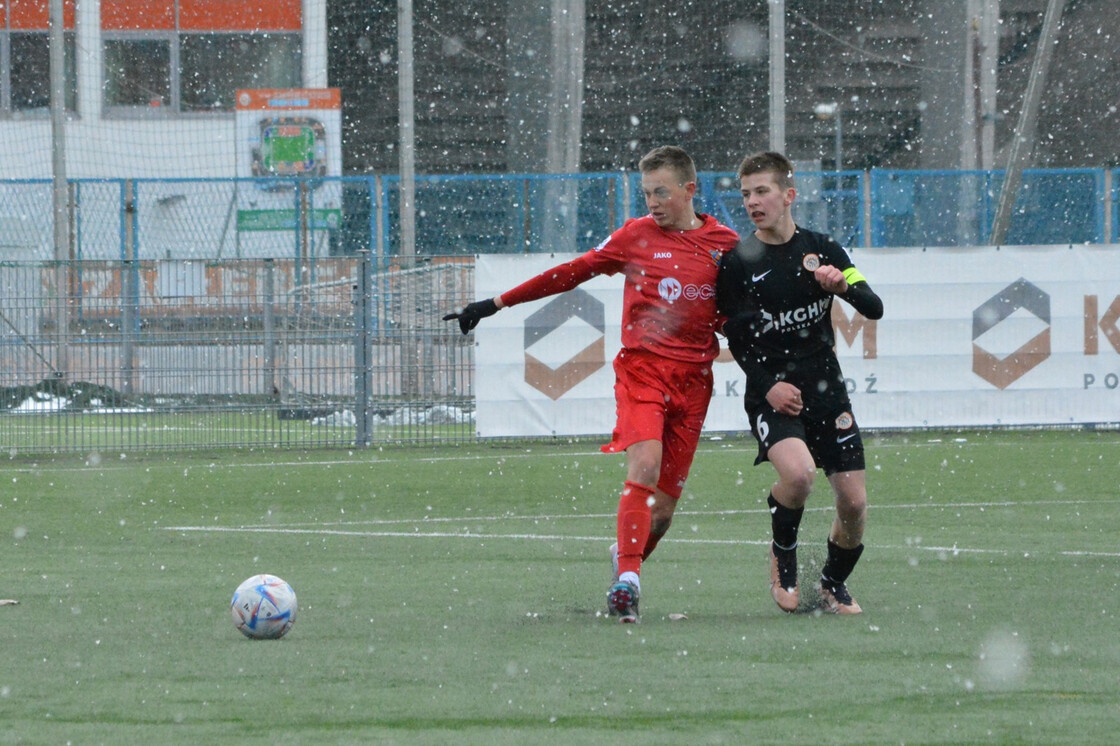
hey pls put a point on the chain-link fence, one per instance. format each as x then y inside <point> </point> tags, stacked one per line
<point>183,354</point>
<point>187,315</point>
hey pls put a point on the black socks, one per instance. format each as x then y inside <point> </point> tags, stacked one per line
<point>784,522</point>
<point>840,564</point>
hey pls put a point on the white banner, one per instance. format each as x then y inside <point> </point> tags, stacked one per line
<point>973,336</point>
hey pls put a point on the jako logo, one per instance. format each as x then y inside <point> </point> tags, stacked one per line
<point>671,289</point>
<point>1002,372</point>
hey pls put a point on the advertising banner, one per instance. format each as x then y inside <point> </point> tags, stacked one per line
<point>975,336</point>
<point>287,137</point>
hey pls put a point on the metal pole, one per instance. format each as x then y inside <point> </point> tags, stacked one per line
<point>565,112</point>
<point>407,120</point>
<point>60,191</point>
<point>406,124</point>
<point>778,75</point>
<point>1107,238</point>
<point>989,61</point>
<point>967,194</point>
<point>838,198</point>
<point>363,358</point>
<point>866,179</point>
<point>379,255</point>
<point>1022,144</point>
<point>271,387</point>
<point>968,152</point>
<point>839,146</point>
<point>565,101</point>
<point>130,289</point>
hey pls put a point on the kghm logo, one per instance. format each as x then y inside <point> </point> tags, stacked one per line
<point>795,318</point>
<point>573,317</point>
<point>1001,372</point>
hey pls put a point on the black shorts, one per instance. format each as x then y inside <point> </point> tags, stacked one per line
<point>830,432</point>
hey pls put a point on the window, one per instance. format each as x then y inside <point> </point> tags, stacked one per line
<point>138,73</point>
<point>25,70</point>
<point>172,56</point>
<point>214,66</point>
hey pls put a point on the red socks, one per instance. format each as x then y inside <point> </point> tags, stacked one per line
<point>633,525</point>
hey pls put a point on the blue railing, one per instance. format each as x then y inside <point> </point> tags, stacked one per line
<point>216,219</point>
<point>952,208</point>
<point>507,213</point>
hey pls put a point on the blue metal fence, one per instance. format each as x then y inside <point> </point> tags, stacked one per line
<point>953,208</point>
<point>214,220</point>
<point>827,201</point>
<point>506,213</point>
<point>1113,205</point>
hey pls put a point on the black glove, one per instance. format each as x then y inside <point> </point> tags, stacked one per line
<point>473,313</point>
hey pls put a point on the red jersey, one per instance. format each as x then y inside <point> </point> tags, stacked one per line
<point>668,304</point>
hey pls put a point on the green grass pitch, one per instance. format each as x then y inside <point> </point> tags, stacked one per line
<point>455,596</point>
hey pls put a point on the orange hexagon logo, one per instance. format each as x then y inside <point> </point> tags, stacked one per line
<point>564,343</point>
<point>1001,372</point>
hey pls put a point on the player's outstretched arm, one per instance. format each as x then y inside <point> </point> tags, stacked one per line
<point>473,313</point>
<point>559,279</point>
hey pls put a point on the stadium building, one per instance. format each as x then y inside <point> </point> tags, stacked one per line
<point>572,85</point>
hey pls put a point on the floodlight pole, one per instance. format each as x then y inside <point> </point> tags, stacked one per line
<point>406,123</point>
<point>410,322</point>
<point>777,31</point>
<point>60,194</point>
<point>988,41</point>
<point>1022,143</point>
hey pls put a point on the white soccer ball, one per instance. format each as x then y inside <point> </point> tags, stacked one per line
<point>264,607</point>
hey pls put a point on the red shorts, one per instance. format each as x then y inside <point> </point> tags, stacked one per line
<point>663,400</point>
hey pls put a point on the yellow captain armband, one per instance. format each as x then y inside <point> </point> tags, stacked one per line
<point>852,275</point>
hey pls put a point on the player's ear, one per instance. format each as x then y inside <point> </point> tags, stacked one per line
<point>791,195</point>
<point>690,187</point>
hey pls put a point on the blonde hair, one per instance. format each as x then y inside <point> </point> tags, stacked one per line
<point>672,158</point>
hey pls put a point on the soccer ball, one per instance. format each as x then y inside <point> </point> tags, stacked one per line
<point>264,607</point>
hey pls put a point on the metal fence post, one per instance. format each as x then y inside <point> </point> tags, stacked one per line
<point>380,220</point>
<point>130,292</point>
<point>363,357</point>
<point>865,183</point>
<point>1107,191</point>
<point>271,386</point>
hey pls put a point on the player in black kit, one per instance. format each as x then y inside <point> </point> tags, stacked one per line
<point>776,290</point>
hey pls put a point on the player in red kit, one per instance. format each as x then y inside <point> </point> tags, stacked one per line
<point>663,373</point>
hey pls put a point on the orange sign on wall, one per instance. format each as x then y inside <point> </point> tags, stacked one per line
<point>34,15</point>
<point>198,15</point>
<point>273,99</point>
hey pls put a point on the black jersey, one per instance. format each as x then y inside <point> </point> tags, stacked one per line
<point>779,318</point>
